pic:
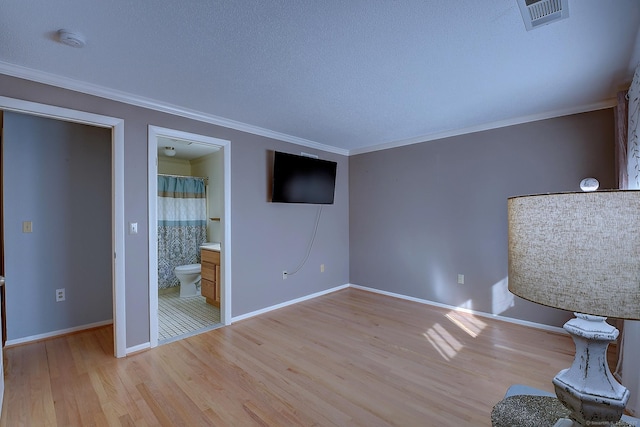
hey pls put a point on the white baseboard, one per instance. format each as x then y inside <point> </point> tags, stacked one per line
<point>137,348</point>
<point>147,345</point>
<point>286,303</point>
<point>405,297</point>
<point>57,333</point>
<point>465,310</point>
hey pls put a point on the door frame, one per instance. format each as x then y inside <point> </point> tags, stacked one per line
<point>117,197</point>
<point>225,253</point>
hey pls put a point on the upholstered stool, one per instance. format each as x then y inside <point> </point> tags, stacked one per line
<point>525,406</point>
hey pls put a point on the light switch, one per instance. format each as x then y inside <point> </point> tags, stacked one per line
<point>133,228</point>
<point>27,227</point>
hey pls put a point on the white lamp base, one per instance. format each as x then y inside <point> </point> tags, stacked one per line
<point>587,388</point>
<point>565,422</point>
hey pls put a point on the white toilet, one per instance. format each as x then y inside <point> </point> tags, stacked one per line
<point>189,276</point>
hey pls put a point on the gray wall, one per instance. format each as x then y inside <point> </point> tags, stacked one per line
<point>57,175</point>
<point>266,238</point>
<point>422,214</point>
<point>212,166</point>
<point>273,237</point>
<point>406,220</point>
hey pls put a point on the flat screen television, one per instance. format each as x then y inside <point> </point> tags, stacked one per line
<point>301,179</point>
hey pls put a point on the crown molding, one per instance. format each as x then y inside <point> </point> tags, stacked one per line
<point>152,104</point>
<point>139,101</point>
<point>609,103</point>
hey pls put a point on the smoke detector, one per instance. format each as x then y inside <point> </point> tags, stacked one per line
<point>536,13</point>
<point>71,38</point>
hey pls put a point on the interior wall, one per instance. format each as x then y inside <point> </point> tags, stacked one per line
<point>266,237</point>
<point>273,237</point>
<point>422,214</point>
<point>58,176</point>
<point>212,166</point>
<point>172,166</point>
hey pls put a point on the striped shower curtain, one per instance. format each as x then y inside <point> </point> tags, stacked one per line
<point>182,225</point>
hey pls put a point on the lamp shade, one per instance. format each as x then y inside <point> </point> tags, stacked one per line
<point>577,251</point>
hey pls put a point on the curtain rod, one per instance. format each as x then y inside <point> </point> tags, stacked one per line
<point>183,176</point>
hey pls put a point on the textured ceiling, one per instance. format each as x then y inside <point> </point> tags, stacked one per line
<point>345,74</point>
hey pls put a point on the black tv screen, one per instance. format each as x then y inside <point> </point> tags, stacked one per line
<point>301,179</point>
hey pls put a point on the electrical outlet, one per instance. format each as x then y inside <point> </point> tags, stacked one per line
<point>284,274</point>
<point>461,279</point>
<point>321,268</point>
<point>60,295</point>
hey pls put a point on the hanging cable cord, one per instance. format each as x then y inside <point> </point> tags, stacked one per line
<point>313,238</point>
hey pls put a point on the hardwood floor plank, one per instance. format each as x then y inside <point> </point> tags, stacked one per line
<point>348,358</point>
<point>33,401</point>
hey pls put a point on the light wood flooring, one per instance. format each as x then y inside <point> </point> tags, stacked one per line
<point>350,358</point>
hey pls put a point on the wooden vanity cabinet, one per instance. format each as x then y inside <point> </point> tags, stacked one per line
<point>210,272</point>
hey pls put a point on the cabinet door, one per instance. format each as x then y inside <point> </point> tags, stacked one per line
<point>208,290</point>
<point>210,272</point>
<point>217,286</point>
<point>208,256</point>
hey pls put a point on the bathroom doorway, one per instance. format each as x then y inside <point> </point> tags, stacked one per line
<point>182,300</point>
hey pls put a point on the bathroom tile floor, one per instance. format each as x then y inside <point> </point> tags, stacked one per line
<point>179,317</point>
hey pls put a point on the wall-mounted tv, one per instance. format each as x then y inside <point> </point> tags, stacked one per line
<point>302,179</point>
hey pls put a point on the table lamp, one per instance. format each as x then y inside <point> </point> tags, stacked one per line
<point>580,252</point>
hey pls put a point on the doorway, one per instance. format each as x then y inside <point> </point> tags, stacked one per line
<point>218,224</point>
<point>117,195</point>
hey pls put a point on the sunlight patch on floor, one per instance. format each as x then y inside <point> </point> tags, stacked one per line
<point>467,322</point>
<point>445,343</point>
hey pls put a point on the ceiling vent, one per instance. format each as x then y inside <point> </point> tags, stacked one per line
<point>537,13</point>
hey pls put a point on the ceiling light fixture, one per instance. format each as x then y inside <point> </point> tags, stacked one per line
<point>71,38</point>
<point>169,151</point>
